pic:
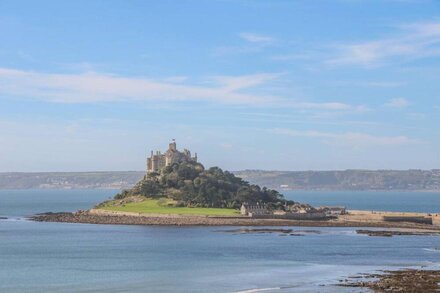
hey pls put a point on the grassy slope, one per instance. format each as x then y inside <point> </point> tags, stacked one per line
<point>152,206</point>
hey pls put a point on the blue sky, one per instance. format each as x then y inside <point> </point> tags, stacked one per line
<point>279,85</point>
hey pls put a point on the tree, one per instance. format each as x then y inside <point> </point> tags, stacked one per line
<point>191,185</point>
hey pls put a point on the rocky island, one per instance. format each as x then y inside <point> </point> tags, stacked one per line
<point>179,190</point>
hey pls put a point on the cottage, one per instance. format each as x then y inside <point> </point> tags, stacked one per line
<point>254,209</point>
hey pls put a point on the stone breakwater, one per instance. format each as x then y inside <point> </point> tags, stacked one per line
<point>95,216</point>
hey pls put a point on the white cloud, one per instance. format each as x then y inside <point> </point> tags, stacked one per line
<point>397,103</point>
<point>372,84</point>
<point>292,57</point>
<point>256,38</point>
<point>98,88</point>
<point>254,43</point>
<point>82,66</point>
<point>415,41</point>
<point>226,145</point>
<point>232,83</point>
<point>355,139</point>
<point>94,87</point>
<point>331,106</point>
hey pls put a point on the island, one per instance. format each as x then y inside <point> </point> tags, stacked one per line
<point>178,190</point>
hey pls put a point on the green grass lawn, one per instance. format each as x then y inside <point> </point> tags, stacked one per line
<point>152,206</point>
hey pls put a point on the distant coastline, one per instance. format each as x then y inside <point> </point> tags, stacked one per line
<point>346,180</point>
<point>70,180</point>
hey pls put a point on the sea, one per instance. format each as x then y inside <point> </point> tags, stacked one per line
<point>64,257</point>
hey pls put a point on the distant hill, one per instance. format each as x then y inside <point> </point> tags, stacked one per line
<point>305,180</point>
<point>345,180</point>
<point>72,180</point>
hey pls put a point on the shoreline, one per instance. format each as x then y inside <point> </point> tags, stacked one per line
<point>401,280</point>
<point>98,216</point>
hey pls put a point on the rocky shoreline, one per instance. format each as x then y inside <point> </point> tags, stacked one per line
<point>173,220</point>
<point>390,233</point>
<point>408,280</point>
<point>111,218</point>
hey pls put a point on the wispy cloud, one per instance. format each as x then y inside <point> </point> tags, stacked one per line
<point>292,57</point>
<point>256,38</point>
<point>82,66</point>
<point>354,139</point>
<point>371,84</point>
<point>98,87</point>
<point>330,106</point>
<point>232,83</point>
<point>254,43</point>
<point>226,145</point>
<point>397,103</point>
<point>414,41</point>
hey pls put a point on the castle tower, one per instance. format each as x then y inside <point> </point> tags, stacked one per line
<point>157,160</point>
<point>172,146</point>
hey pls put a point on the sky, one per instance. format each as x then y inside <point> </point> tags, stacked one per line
<point>275,85</point>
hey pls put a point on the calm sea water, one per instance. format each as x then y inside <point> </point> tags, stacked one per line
<point>403,201</point>
<point>60,257</point>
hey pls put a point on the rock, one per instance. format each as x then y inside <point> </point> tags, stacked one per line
<point>249,231</point>
<point>390,233</point>
<point>401,281</point>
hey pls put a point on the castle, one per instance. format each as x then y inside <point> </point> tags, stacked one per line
<point>157,161</point>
